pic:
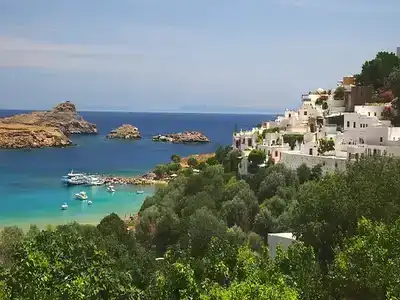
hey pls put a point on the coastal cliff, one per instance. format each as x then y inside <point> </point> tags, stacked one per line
<point>17,136</point>
<point>186,137</point>
<point>63,116</point>
<point>126,132</point>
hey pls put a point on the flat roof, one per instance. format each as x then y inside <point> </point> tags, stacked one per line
<point>287,235</point>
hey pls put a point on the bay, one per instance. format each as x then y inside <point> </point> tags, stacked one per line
<point>30,187</point>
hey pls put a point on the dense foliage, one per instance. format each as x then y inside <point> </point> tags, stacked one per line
<point>205,236</point>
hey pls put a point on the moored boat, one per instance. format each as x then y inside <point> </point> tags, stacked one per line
<point>74,178</point>
<point>94,180</point>
<point>139,192</point>
<point>64,206</point>
<point>81,196</point>
<point>110,189</point>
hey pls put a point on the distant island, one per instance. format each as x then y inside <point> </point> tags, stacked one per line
<point>186,137</point>
<point>126,132</point>
<point>40,129</point>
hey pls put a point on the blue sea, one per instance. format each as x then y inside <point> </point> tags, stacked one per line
<point>30,186</point>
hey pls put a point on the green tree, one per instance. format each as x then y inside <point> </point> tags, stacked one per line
<point>161,170</point>
<point>300,266</point>
<point>68,262</point>
<point>393,81</point>
<point>11,238</point>
<point>192,161</point>
<point>175,158</point>
<point>338,94</point>
<point>367,265</point>
<point>303,173</point>
<point>173,167</point>
<point>269,186</point>
<point>375,72</point>
<point>327,210</point>
<point>203,225</point>
<point>316,172</point>
<point>292,139</point>
<point>326,145</point>
<point>257,157</point>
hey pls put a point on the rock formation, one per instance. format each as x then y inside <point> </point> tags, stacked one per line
<point>63,116</point>
<point>14,136</point>
<point>182,137</point>
<point>126,132</point>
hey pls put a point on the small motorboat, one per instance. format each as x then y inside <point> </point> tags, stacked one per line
<point>89,202</point>
<point>110,189</point>
<point>139,192</point>
<point>64,206</point>
<point>81,196</point>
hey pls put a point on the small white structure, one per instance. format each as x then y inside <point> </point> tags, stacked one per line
<point>285,239</point>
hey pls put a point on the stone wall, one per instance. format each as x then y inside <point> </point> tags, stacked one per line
<point>293,160</point>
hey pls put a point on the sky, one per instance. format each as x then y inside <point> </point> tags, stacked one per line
<point>185,55</point>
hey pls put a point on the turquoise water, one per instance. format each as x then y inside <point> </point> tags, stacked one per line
<point>30,188</point>
<point>43,207</point>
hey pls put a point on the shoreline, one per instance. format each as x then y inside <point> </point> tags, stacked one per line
<point>150,178</point>
<point>133,180</point>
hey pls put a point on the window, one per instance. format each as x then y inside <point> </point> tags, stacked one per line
<point>375,152</point>
<point>276,153</point>
<point>348,123</point>
<point>375,114</point>
<point>354,124</point>
<point>305,113</point>
<point>290,115</point>
<point>310,151</point>
<point>369,114</point>
<point>366,125</point>
<point>361,125</point>
<point>381,139</point>
<point>382,114</point>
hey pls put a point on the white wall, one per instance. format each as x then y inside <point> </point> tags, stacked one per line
<point>243,166</point>
<point>247,139</point>
<point>293,159</point>
<point>275,239</point>
<point>353,121</point>
<point>369,110</point>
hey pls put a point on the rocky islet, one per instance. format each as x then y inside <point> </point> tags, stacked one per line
<point>186,137</point>
<point>126,132</point>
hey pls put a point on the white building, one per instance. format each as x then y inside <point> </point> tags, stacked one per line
<point>284,240</point>
<point>320,118</point>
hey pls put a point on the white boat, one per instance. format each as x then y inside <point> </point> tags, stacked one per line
<point>110,189</point>
<point>74,178</point>
<point>94,180</point>
<point>64,206</point>
<point>139,192</point>
<point>81,196</point>
<point>89,202</point>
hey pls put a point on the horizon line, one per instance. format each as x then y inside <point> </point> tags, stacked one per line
<point>156,111</point>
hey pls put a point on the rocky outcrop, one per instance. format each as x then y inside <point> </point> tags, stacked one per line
<point>63,116</point>
<point>126,132</point>
<point>186,137</point>
<point>17,136</point>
